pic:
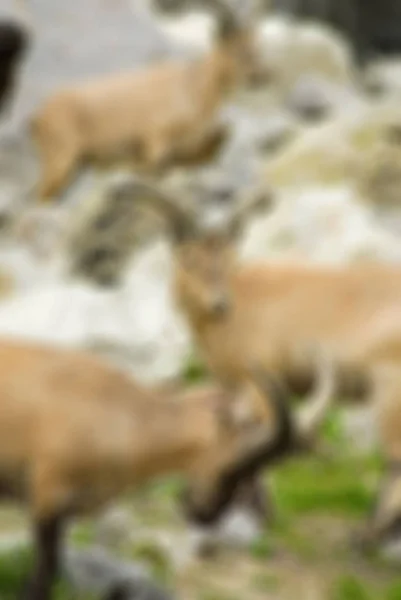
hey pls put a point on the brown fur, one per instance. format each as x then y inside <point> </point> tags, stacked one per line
<point>271,314</point>
<point>75,432</point>
<point>67,420</point>
<point>274,313</point>
<point>150,118</point>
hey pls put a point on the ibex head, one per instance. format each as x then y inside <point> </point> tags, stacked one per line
<point>252,445</point>
<point>235,32</point>
<point>243,450</point>
<point>204,255</point>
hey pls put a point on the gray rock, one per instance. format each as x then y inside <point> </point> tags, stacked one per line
<point>314,98</point>
<point>95,571</point>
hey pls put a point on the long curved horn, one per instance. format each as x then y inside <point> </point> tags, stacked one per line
<point>261,447</point>
<point>179,218</point>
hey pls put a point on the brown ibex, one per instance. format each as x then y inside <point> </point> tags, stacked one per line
<point>270,313</point>
<point>150,118</point>
<point>76,432</point>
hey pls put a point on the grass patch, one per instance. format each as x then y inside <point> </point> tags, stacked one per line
<point>155,558</point>
<point>166,490</point>
<point>83,534</point>
<point>194,370</point>
<point>15,567</point>
<point>332,429</point>
<point>349,587</point>
<point>343,486</point>
<point>393,591</point>
<point>311,486</point>
<point>262,548</point>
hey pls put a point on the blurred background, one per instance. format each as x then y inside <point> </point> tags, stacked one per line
<point>320,133</point>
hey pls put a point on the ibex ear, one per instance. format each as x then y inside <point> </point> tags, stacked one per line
<point>259,201</point>
<point>228,21</point>
<point>236,15</point>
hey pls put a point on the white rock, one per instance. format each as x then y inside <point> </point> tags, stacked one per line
<point>360,428</point>
<point>139,317</point>
<point>113,527</point>
<point>326,225</point>
<point>96,571</point>
<point>291,48</point>
<point>193,30</point>
<point>331,153</point>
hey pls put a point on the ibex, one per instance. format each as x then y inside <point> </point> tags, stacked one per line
<point>151,118</point>
<point>76,432</point>
<point>270,313</point>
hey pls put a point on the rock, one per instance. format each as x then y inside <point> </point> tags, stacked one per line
<point>331,153</point>
<point>113,528</point>
<point>327,225</point>
<point>291,49</point>
<point>120,36</point>
<point>95,571</point>
<point>360,429</point>
<point>239,529</point>
<point>370,26</point>
<point>191,32</point>
<point>314,98</point>
<point>378,180</point>
<point>133,591</point>
<point>103,237</point>
<point>138,320</point>
<point>383,78</point>
<point>19,167</point>
<point>256,133</point>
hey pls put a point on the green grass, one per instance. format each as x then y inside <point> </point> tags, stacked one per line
<point>83,534</point>
<point>194,370</point>
<point>14,569</point>
<point>344,484</point>
<point>156,559</point>
<point>342,487</point>
<point>393,591</point>
<point>349,587</point>
<point>262,548</point>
